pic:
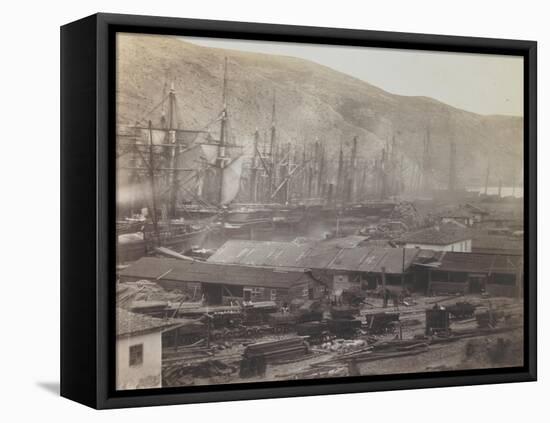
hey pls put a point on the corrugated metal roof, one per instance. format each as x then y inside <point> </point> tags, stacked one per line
<point>204,272</point>
<point>260,253</point>
<point>393,260</point>
<point>317,256</point>
<point>480,263</point>
<point>247,252</point>
<point>147,270</point>
<point>351,241</point>
<point>347,259</point>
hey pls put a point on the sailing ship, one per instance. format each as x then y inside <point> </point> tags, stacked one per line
<point>179,186</point>
<point>181,180</point>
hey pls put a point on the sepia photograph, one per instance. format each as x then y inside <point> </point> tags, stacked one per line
<point>290,211</point>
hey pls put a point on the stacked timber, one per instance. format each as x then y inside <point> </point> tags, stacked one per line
<point>256,357</point>
<point>315,331</point>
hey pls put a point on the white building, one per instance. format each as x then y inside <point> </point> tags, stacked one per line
<point>139,350</point>
<point>444,237</point>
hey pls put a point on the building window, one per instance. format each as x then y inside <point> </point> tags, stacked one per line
<point>136,355</point>
<point>273,294</point>
<point>257,293</point>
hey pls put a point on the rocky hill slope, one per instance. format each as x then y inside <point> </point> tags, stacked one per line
<point>312,102</point>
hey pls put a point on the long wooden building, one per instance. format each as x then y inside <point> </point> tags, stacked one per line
<point>494,274</point>
<point>223,283</point>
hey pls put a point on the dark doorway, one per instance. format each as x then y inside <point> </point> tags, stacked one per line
<point>212,293</point>
<point>476,284</point>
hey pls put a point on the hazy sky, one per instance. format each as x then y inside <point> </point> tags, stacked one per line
<point>485,84</point>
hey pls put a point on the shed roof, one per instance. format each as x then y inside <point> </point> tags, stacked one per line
<point>317,256</point>
<point>479,263</point>
<point>205,272</point>
<point>444,234</point>
<point>257,253</point>
<point>497,242</point>
<point>128,323</point>
<point>393,260</point>
<point>350,241</point>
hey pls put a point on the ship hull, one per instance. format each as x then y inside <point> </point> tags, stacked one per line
<point>132,251</point>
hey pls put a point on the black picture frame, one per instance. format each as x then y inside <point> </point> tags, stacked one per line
<point>88,194</point>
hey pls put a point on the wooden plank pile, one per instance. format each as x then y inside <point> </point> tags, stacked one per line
<point>189,372</point>
<point>256,357</point>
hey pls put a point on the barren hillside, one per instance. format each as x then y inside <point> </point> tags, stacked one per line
<point>313,102</point>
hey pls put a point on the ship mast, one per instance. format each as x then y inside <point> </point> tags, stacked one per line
<point>304,192</point>
<point>321,170</point>
<point>352,183</point>
<point>382,172</point>
<point>171,141</point>
<point>310,172</point>
<point>393,168</point>
<point>254,169</point>
<point>272,141</point>
<point>134,177</point>
<point>151,166</point>
<point>363,181</point>
<point>452,167</point>
<point>285,174</point>
<point>223,129</point>
<point>340,175</point>
<point>487,176</point>
<point>426,165</point>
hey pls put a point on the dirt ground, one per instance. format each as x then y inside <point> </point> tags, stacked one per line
<point>475,351</point>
